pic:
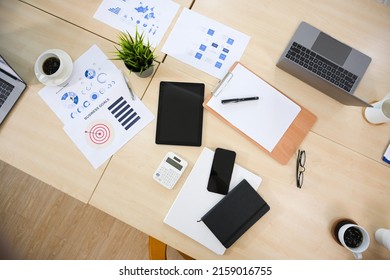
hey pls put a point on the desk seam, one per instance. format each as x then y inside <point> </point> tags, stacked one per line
<point>60,18</point>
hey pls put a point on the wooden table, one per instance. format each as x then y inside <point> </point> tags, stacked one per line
<point>81,14</point>
<point>32,138</point>
<point>300,221</point>
<point>344,177</point>
<point>364,25</point>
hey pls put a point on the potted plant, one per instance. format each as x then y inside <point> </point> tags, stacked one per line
<point>137,56</point>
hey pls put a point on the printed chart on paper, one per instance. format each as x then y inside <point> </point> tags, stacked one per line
<point>205,44</point>
<point>151,17</point>
<point>96,107</point>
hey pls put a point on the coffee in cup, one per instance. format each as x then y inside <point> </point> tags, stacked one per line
<point>355,238</point>
<point>53,67</point>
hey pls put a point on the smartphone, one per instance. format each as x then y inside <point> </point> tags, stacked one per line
<point>221,171</point>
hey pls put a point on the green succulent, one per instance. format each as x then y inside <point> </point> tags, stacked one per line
<point>136,55</point>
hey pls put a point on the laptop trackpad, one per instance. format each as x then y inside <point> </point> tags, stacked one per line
<point>331,48</point>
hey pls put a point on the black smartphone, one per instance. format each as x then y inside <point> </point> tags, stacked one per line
<point>221,171</point>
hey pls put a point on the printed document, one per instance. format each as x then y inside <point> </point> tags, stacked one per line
<point>96,107</point>
<point>150,17</point>
<point>205,43</point>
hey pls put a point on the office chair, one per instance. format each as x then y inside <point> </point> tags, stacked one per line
<point>158,250</point>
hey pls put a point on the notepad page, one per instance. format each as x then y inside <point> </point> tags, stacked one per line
<point>264,120</point>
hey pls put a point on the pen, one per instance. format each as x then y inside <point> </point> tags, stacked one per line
<point>235,100</point>
<point>131,91</point>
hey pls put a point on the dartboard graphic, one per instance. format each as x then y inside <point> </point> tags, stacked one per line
<point>99,134</point>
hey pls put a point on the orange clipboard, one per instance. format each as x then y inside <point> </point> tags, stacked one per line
<point>291,139</point>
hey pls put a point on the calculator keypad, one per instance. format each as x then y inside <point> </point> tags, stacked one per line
<point>167,176</point>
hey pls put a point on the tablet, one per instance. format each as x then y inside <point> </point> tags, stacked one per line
<point>180,114</point>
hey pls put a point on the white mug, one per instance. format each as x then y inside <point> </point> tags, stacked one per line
<point>379,112</point>
<point>346,236</point>
<point>53,67</point>
<point>382,236</point>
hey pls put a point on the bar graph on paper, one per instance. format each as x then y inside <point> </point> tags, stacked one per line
<point>151,17</point>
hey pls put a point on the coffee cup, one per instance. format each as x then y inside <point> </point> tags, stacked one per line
<point>355,238</point>
<point>53,67</point>
<point>379,112</point>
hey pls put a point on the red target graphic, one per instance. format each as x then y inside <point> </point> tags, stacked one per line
<point>99,134</point>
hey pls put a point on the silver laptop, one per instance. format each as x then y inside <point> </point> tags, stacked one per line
<point>325,63</point>
<point>11,87</point>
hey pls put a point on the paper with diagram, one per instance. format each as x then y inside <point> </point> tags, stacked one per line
<point>152,17</point>
<point>96,107</point>
<point>100,132</point>
<point>87,85</point>
<point>205,43</point>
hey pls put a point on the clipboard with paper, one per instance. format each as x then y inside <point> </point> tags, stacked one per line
<point>273,122</point>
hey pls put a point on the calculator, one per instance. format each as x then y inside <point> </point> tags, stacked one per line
<point>170,170</point>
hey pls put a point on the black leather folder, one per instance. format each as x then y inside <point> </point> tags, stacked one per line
<point>234,214</point>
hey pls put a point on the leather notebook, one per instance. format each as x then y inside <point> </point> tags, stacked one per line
<point>234,214</point>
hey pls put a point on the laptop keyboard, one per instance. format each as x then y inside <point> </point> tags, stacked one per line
<point>5,90</point>
<point>321,66</point>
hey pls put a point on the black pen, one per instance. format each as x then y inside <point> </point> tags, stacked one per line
<point>235,100</point>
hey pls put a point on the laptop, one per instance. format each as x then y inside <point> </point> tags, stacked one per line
<point>11,87</point>
<point>325,63</point>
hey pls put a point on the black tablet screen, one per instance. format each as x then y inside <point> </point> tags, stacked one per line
<point>180,113</point>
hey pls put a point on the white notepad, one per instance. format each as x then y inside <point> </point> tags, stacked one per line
<point>264,120</point>
<point>194,200</point>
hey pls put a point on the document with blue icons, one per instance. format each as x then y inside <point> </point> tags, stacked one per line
<point>151,17</point>
<point>205,43</point>
<point>87,86</point>
<point>102,131</point>
<point>98,112</point>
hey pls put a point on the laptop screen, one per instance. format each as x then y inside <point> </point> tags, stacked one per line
<point>6,69</point>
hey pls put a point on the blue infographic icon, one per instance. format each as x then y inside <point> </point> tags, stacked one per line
<point>94,96</point>
<point>70,99</point>
<point>90,74</point>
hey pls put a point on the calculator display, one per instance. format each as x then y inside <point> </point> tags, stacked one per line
<point>174,163</point>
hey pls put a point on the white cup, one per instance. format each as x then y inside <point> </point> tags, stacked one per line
<point>382,236</point>
<point>380,112</point>
<point>346,231</point>
<point>53,67</point>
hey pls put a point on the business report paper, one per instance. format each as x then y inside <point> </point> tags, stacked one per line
<point>205,43</point>
<point>150,17</point>
<point>96,107</point>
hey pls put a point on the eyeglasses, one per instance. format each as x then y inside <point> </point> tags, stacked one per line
<point>301,160</point>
